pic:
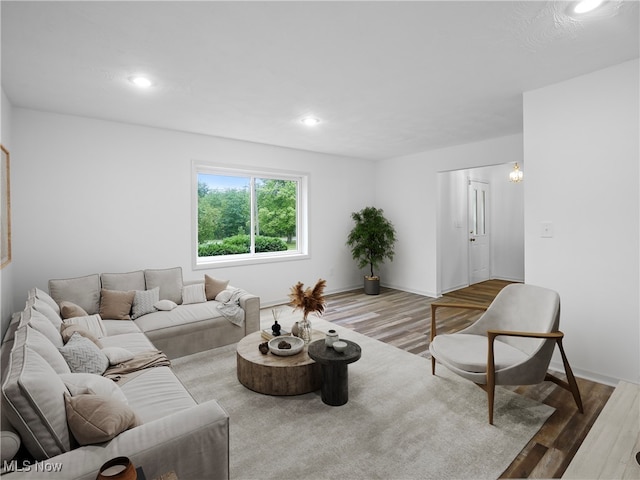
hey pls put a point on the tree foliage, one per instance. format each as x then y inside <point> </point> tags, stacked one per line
<point>226,213</point>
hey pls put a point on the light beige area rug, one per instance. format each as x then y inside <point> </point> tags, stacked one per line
<point>400,421</point>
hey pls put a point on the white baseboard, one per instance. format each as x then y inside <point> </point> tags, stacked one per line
<point>508,279</point>
<point>587,375</point>
<point>411,290</point>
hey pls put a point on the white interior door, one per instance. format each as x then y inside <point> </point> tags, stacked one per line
<point>479,235</point>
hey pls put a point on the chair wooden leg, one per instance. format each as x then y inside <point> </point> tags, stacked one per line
<point>433,365</point>
<point>491,392</point>
<point>573,385</point>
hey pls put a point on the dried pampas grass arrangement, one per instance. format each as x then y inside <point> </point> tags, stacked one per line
<point>308,300</point>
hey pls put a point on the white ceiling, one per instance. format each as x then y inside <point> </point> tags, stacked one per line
<point>386,78</point>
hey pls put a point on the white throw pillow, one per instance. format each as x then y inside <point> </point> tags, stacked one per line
<point>224,296</point>
<point>165,305</point>
<point>193,294</point>
<point>117,355</point>
<point>92,323</point>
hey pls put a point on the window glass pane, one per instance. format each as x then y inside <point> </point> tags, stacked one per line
<point>277,215</point>
<point>224,215</point>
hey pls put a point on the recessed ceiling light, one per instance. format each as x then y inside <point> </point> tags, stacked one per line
<point>585,6</point>
<point>310,121</point>
<point>140,81</point>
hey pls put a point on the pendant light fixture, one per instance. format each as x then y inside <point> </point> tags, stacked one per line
<point>516,174</point>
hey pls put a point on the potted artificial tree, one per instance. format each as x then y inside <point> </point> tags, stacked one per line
<point>371,240</point>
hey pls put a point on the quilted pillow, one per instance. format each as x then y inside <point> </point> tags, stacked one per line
<point>82,355</point>
<point>143,302</point>
<point>97,418</point>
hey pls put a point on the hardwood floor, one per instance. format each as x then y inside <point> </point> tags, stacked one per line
<point>403,320</point>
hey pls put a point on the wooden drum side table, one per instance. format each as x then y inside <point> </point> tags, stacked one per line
<point>335,379</point>
<point>275,375</point>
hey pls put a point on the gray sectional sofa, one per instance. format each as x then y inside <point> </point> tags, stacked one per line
<point>50,388</point>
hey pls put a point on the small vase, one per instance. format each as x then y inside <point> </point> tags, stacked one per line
<point>295,330</point>
<point>332,336</point>
<point>305,330</point>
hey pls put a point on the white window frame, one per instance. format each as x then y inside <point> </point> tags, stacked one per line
<point>302,251</point>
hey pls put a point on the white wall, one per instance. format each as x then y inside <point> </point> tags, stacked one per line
<point>6,274</point>
<point>581,142</point>
<point>407,190</point>
<point>95,196</point>
<point>506,225</point>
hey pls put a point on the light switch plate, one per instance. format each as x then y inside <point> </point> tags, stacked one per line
<point>546,230</point>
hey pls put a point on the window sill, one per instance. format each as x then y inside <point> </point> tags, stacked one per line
<point>203,263</point>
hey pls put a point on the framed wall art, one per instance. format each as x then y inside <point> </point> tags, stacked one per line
<point>5,209</point>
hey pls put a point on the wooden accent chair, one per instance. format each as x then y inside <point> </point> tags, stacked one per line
<point>510,344</point>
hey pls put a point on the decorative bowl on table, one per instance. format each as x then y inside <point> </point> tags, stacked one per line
<point>340,346</point>
<point>286,345</point>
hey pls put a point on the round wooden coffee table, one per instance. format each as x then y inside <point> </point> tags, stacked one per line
<point>274,375</point>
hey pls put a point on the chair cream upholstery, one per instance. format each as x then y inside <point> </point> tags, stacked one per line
<point>510,344</point>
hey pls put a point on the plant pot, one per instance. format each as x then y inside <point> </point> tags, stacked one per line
<point>371,285</point>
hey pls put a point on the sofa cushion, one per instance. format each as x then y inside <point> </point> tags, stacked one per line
<point>143,302</point>
<point>48,312</point>
<point>81,383</point>
<point>45,297</point>
<point>116,305</point>
<point>214,286</point>
<point>47,350</point>
<point>148,407</point>
<point>169,280</point>
<point>118,327</point>
<point>83,291</point>
<point>193,294</point>
<point>82,355</point>
<point>39,322</point>
<point>123,281</point>
<point>134,342</point>
<point>97,418</point>
<point>92,323</point>
<point>32,400</point>
<point>69,310</point>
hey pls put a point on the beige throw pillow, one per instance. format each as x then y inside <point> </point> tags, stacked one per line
<point>97,418</point>
<point>214,286</point>
<point>70,310</point>
<point>116,305</point>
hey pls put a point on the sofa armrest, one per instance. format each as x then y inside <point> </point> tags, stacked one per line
<point>251,305</point>
<point>193,443</point>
